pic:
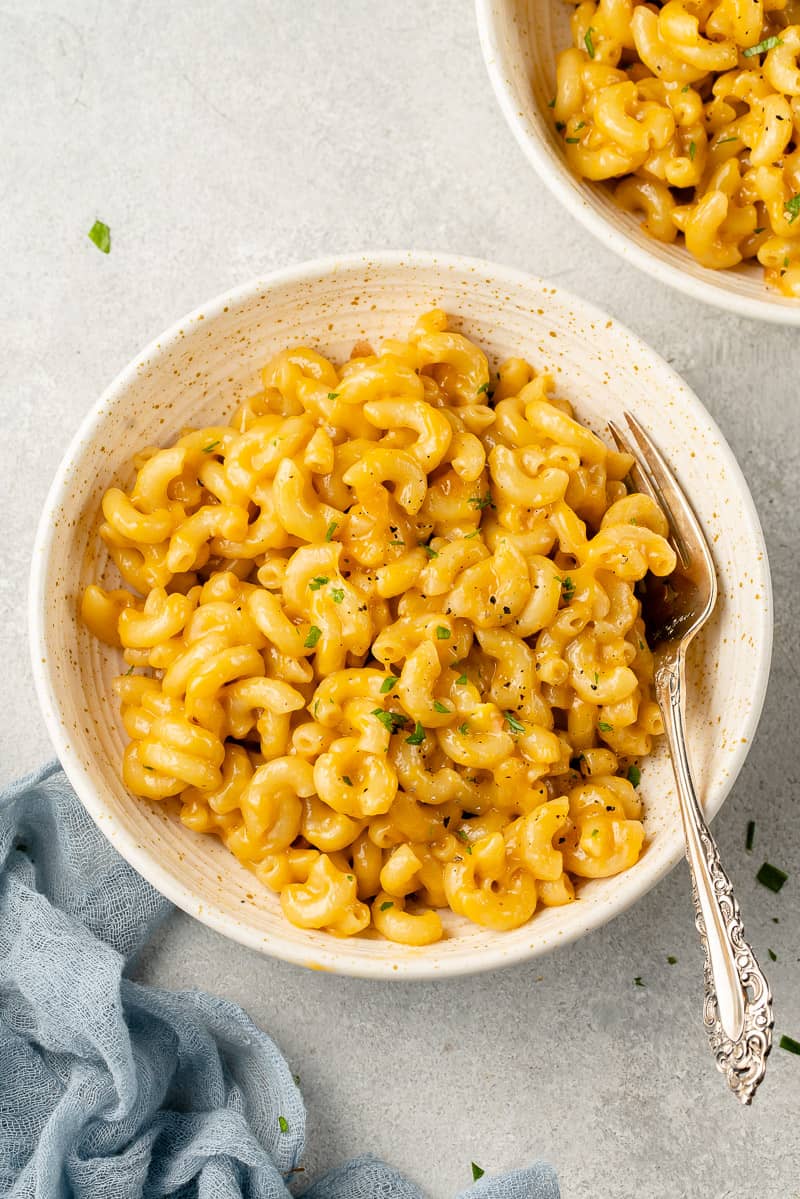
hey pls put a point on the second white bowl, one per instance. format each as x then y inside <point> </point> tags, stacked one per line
<point>521,40</point>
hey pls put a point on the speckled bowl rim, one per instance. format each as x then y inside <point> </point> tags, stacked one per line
<point>337,959</point>
<point>557,177</point>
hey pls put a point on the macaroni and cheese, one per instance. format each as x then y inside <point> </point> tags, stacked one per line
<point>694,106</point>
<point>383,639</point>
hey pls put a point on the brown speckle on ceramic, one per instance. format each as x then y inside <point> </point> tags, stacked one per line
<point>601,368</point>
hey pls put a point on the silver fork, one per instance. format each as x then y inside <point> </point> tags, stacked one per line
<point>737,1009</point>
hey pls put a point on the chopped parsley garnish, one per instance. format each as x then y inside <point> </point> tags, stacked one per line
<point>440,707</point>
<point>751,832</point>
<point>100,234</point>
<point>551,103</point>
<point>760,229</point>
<point>387,684</point>
<point>769,43</point>
<point>346,779</point>
<point>792,207</point>
<point>389,903</point>
<point>637,982</point>
<point>318,582</point>
<point>430,551</point>
<point>733,138</point>
<point>464,729</point>
<point>442,633</point>
<point>595,832</point>
<point>692,151</point>
<point>130,670</point>
<point>481,501</point>
<point>789,1044</point>
<point>391,721</point>
<point>211,446</point>
<point>771,877</point>
<point>418,736</point>
<point>673,961</point>
<point>588,42</point>
<point>634,775</point>
<point>604,727</point>
<point>469,536</point>
<point>333,395</point>
<point>397,541</point>
<point>331,529</point>
<point>773,957</point>
<point>685,88</point>
<point>461,681</point>
<point>337,594</point>
<point>283,1124</point>
<point>572,141</point>
<point>483,389</point>
<point>515,725</point>
<point>567,588</point>
<point>313,637</point>
<point>477,1172</point>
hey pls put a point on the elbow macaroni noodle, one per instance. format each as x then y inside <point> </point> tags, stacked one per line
<point>383,638</point>
<point>694,106</point>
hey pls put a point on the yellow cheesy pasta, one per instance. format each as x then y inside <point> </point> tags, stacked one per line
<point>694,107</point>
<point>383,639</point>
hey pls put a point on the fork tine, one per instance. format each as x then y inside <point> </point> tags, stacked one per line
<point>687,534</point>
<point>638,476</point>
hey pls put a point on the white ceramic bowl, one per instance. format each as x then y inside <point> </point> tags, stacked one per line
<point>520,41</point>
<point>196,373</point>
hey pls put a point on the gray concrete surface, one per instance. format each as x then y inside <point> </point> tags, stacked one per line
<point>220,140</point>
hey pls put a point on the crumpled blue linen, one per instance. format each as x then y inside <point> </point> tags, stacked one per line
<point>110,1089</point>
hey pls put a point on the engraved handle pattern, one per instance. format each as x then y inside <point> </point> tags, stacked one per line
<point>737,1008</point>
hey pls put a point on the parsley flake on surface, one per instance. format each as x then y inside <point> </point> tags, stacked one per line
<point>773,957</point>
<point>462,680</point>
<point>604,727</point>
<point>637,982</point>
<point>771,877</point>
<point>430,551</point>
<point>100,235</point>
<point>333,395</point>
<point>331,529</point>
<point>387,684</point>
<point>634,775</point>
<point>283,1124</point>
<point>346,779</point>
<point>769,43</point>
<point>792,207</point>
<point>483,389</point>
<point>572,141</point>
<point>789,1044</point>
<point>588,41</point>
<point>389,903</point>
<point>418,736</point>
<point>692,150</point>
<point>477,1172</point>
<point>442,633</point>
<point>673,961</point>
<point>474,533</point>
<point>464,729</point>
<point>314,634</point>
<point>337,594</point>
<point>318,582</point>
<point>515,725</point>
<point>441,708</point>
<point>211,446</point>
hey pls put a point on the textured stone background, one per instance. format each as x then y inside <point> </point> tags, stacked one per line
<point>221,140</point>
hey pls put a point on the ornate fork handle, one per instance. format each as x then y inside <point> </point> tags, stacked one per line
<point>737,1001</point>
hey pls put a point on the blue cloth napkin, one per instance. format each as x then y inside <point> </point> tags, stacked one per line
<point>112,1089</point>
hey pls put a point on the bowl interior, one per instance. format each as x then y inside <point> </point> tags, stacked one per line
<point>521,40</point>
<point>197,373</point>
